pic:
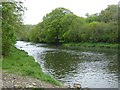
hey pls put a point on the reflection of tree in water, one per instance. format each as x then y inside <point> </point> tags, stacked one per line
<point>60,62</point>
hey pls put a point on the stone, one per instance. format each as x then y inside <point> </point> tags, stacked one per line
<point>77,85</point>
<point>17,86</point>
<point>33,84</point>
<point>30,86</point>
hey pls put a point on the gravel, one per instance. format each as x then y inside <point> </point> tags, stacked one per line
<point>17,81</point>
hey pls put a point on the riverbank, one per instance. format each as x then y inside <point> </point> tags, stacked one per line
<point>18,81</point>
<point>20,63</point>
<point>97,45</point>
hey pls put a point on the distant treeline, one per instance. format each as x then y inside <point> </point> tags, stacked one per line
<point>61,26</point>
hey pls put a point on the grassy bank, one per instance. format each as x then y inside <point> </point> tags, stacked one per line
<point>88,44</point>
<point>19,62</point>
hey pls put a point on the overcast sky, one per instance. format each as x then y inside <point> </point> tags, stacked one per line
<point>36,9</point>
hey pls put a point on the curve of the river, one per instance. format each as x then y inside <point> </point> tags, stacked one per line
<point>91,67</point>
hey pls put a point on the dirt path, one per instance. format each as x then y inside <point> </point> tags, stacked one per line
<point>17,81</point>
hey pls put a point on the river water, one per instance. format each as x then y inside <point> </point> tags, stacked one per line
<point>91,67</point>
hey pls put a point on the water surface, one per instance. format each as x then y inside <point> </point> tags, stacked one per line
<point>91,67</point>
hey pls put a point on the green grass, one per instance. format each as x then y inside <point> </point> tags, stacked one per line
<point>88,44</point>
<point>18,62</point>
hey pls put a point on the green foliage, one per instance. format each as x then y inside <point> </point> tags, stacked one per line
<point>62,26</point>
<point>51,29</point>
<point>23,33</point>
<point>53,26</point>
<point>11,21</point>
<point>73,34</point>
<point>37,34</point>
<point>110,14</point>
<point>0,30</point>
<point>91,18</point>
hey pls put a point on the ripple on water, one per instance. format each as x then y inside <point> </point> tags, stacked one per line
<point>89,68</point>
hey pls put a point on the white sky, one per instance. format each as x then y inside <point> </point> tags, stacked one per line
<point>36,9</point>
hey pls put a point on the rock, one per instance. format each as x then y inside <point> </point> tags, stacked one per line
<point>30,86</point>
<point>33,84</point>
<point>18,86</point>
<point>67,86</point>
<point>77,85</point>
<point>18,83</point>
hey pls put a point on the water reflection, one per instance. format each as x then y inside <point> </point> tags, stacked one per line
<point>61,63</point>
<point>94,68</point>
<point>88,68</point>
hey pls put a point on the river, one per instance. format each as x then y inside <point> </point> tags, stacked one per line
<point>91,67</point>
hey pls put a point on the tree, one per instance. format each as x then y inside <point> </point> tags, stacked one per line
<point>51,29</point>
<point>0,29</point>
<point>91,18</point>
<point>61,25</point>
<point>110,14</point>
<point>73,34</point>
<point>11,19</point>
